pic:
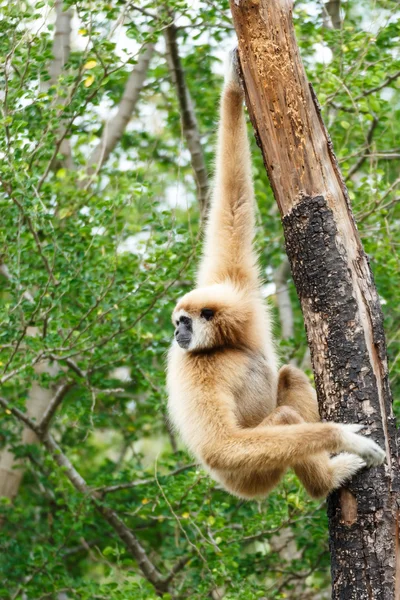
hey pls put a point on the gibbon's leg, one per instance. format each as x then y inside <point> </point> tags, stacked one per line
<point>295,390</point>
<point>228,249</point>
<point>319,473</point>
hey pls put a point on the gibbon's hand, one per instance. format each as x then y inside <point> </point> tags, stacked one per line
<point>369,450</point>
<point>231,71</point>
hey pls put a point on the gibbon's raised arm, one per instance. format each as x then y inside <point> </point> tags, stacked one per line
<point>228,251</point>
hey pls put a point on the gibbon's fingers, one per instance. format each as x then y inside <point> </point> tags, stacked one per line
<point>231,71</point>
<point>369,450</point>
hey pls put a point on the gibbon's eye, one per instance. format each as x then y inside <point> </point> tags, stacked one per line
<point>207,313</point>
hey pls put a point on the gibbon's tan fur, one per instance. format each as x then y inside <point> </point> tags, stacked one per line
<point>243,419</point>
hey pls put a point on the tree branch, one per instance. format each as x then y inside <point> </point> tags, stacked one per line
<point>125,486</point>
<point>54,403</point>
<point>149,570</point>
<point>189,122</point>
<point>363,157</point>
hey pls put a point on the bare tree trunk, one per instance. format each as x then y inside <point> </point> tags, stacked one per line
<point>188,117</point>
<point>338,296</point>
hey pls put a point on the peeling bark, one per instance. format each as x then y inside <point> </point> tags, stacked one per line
<point>339,300</point>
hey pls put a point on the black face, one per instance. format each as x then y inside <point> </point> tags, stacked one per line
<point>184,331</point>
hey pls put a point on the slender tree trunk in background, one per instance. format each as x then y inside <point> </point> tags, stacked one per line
<point>333,10</point>
<point>115,128</point>
<point>61,52</point>
<point>190,127</point>
<point>338,296</point>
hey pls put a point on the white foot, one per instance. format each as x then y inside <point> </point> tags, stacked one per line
<point>372,454</point>
<point>344,466</point>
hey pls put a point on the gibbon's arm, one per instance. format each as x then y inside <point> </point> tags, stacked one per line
<point>228,251</point>
<point>231,448</point>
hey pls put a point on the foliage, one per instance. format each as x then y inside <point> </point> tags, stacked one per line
<point>92,263</point>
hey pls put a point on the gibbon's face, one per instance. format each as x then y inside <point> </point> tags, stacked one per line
<point>210,317</point>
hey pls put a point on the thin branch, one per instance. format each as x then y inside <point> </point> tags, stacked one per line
<point>125,486</point>
<point>54,403</point>
<point>189,122</point>
<point>31,228</point>
<point>10,409</point>
<point>378,87</point>
<point>363,157</point>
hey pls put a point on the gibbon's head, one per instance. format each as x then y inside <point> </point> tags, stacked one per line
<point>211,317</point>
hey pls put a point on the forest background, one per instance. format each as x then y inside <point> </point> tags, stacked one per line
<point>108,121</point>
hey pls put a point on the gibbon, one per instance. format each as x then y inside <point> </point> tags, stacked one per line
<point>244,420</point>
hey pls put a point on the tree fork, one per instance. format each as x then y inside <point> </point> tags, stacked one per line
<point>338,296</point>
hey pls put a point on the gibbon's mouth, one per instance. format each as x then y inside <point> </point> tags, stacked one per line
<point>183,341</point>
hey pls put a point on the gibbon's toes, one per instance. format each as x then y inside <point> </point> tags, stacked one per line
<point>354,427</point>
<point>344,466</point>
<point>369,450</point>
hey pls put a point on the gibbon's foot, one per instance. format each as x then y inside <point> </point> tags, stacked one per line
<point>344,466</point>
<point>231,71</point>
<point>369,450</point>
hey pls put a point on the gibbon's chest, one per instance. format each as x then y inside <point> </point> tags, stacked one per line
<point>256,392</point>
<point>193,381</point>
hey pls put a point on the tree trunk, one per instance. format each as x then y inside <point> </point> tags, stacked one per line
<point>338,296</point>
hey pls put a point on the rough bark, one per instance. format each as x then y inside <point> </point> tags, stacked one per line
<point>115,127</point>
<point>338,296</point>
<point>190,127</point>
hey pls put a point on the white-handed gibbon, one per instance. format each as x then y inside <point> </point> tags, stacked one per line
<point>244,420</point>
